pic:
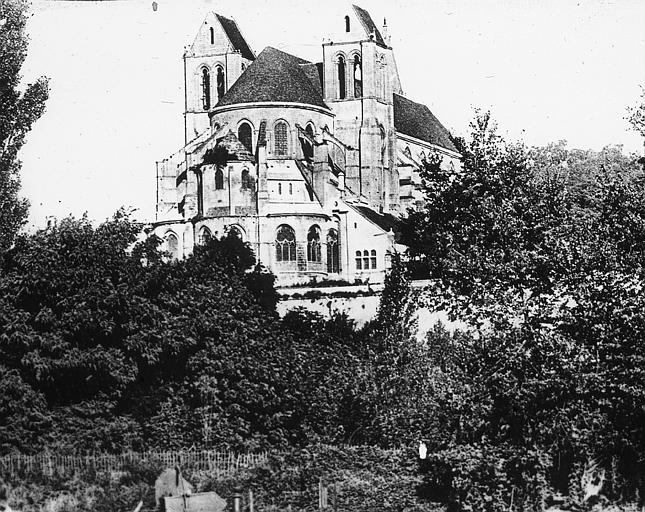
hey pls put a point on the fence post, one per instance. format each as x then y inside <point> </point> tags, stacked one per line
<point>335,496</point>
<point>237,502</point>
<point>251,500</point>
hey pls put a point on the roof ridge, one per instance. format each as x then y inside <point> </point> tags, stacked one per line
<point>235,36</point>
<point>368,24</point>
<point>300,59</point>
<point>275,76</point>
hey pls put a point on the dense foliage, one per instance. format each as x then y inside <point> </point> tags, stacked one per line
<point>18,111</point>
<point>541,252</point>
<point>106,345</point>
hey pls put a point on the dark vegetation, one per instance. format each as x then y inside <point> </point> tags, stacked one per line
<point>106,346</point>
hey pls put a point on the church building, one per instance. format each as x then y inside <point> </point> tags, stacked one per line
<point>311,163</point>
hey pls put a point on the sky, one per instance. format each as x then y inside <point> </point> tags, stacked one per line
<point>548,70</point>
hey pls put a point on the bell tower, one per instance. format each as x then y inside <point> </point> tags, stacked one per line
<point>360,77</point>
<point>216,59</point>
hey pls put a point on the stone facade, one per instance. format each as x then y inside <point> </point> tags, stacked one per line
<point>311,163</point>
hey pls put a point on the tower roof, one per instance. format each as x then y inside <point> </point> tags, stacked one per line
<point>369,25</point>
<point>275,76</point>
<point>416,120</point>
<point>235,37</point>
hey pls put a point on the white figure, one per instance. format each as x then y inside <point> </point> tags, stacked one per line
<point>423,450</point>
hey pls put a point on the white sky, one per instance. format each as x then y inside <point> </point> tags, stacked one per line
<point>548,69</point>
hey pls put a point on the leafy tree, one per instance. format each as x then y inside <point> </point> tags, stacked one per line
<point>114,347</point>
<point>637,115</point>
<point>18,111</point>
<point>486,232</point>
<point>546,247</point>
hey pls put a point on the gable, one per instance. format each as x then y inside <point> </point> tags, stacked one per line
<point>219,35</point>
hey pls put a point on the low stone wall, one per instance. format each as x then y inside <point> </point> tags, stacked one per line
<point>361,306</point>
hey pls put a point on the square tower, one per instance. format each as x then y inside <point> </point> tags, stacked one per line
<point>218,56</point>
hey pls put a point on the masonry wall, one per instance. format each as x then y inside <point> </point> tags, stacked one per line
<point>231,118</point>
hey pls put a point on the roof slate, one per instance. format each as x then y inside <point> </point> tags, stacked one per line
<point>416,120</point>
<point>385,221</point>
<point>369,25</point>
<point>235,148</point>
<point>235,37</point>
<point>275,76</point>
<point>314,73</point>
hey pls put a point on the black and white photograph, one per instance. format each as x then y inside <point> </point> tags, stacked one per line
<point>292,256</point>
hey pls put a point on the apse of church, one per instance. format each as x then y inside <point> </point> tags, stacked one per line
<point>310,163</point>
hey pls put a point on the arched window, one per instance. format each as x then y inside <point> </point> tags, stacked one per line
<point>285,244</point>
<point>290,189</point>
<point>313,244</point>
<point>204,235</point>
<point>366,260</point>
<point>237,231</point>
<point>333,252</point>
<point>206,89</point>
<point>200,192</point>
<point>280,136</point>
<point>308,147</point>
<point>358,77</point>
<point>359,261</point>
<point>346,23</point>
<point>245,136</point>
<point>172,246</point>
<point>342,93</point>
<point>407,152</point>
<point>280,188</point>
<point>220,82</point>
<point>246,179</point>
<point>219,179</point>
<point>373,258</point>
<point>212,31</point>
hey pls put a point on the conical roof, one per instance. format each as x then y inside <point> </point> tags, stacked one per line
<point>235,149</point>
<point>275,76</point>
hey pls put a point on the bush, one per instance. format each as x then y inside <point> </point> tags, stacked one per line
<point>487,478</point>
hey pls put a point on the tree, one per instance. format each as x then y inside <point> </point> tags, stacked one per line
<point>637,115</point>
<point>113,347</point>
<point>485,232</point>
<point>18,112</point>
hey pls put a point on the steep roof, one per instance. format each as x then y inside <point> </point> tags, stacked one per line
<point>370,26</point>
<point>275,76</point>
<point>385,221</point>
<point>416,120</point>
<point>314,73</point>
<point>235,148</point>
<point>235,37</point>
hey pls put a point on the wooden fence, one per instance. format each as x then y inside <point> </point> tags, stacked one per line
<point>47,464</point>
